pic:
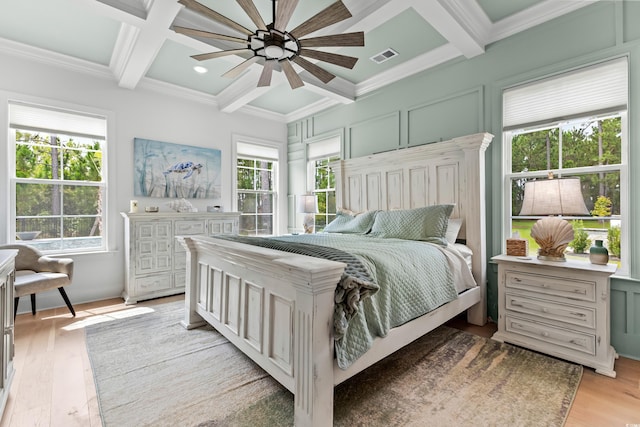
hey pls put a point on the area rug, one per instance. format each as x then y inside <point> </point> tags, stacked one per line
<point>150,371</point>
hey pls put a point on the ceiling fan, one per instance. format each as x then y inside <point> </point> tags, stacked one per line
<point>275,45</point>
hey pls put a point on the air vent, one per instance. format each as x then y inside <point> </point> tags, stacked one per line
<point>383,56</point>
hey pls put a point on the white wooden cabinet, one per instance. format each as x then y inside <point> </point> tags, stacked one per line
<point>154,262</point>
<point>557,308</point>
<point>7,275</point>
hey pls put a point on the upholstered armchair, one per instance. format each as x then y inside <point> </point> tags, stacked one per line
<point>36,272</point>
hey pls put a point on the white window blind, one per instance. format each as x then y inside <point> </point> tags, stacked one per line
<point>595,89</point>
<point>46,119</point>
<point>324,148</point>
<point>255,151</point>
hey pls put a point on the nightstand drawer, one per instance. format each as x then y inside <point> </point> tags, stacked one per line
<point>581,316</point>
<point>573,340</point>
<point>552,285</point>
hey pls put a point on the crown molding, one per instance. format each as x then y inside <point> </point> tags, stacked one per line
<point>55,59</point>
<point>535,15</point>
<point>416,65</point>
<point>310,109</point>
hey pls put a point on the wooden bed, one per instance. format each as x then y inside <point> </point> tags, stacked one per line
<point>277,307</point>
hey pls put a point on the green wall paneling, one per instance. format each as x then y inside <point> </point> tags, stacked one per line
<point>625,317</point>
<point>432,122</point>
<point>374,135</point>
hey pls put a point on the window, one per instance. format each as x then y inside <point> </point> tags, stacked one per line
<point>256,170</point>
<point>322,179</point>
<point>575,126</point>
<point>58,181</point>
<point>325,189</point>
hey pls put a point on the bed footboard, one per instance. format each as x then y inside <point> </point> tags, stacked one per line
<point>275,307</point>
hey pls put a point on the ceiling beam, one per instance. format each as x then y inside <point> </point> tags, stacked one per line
<point>450,26</point>
<point>243,90</point>
<point>137,46</point>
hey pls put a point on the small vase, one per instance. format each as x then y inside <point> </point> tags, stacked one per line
<point>598,254</point>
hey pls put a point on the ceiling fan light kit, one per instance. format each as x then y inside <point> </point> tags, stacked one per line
<point>273,44</point>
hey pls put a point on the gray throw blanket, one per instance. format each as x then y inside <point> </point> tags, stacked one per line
<point>355,285</point>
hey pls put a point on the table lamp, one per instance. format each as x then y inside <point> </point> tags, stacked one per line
<point>308,204</point>
<point>561,196</point>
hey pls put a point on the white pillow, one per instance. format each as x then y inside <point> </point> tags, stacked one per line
<point>453,228</point>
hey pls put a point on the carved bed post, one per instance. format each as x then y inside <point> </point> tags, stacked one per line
<point>474,147</point>
<point>313,354</point>
<point>191,318</point>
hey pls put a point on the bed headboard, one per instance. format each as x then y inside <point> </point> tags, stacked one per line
<point>441,172</point>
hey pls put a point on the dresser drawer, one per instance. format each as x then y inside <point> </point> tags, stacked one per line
<point>223,226</point>
<point>550,285</point>
<point>573,314</point>
<point>584,343</point>
<point>186,227</point>
<point>146,285</point>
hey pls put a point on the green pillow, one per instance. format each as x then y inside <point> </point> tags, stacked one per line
<point>428,224</point>
<point>354,224</point>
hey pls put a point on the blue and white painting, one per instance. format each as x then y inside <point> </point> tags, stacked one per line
<point>170,170</point>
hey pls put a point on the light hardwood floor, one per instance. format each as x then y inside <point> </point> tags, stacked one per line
<point>53,384</point>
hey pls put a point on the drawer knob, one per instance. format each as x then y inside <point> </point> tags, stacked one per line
<point>545,334</point>
<point>545,310</point>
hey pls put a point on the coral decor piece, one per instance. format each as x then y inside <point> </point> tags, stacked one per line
<point>553,235</point>
<point>182,206</point>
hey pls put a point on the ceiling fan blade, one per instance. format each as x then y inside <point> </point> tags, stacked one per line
<point>204,56</point>
<point>267,71</point>
<point>252,11</point>
<point>332,58</point>
<point>284,11</point>
<point>204,10</point>
<point>323,75</point>
<point>294,79</point>
<point>335,13</point>
<point>207,34</point>
<point>235,71</point>
<point>346,39</point>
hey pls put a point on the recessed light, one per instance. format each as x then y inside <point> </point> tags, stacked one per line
<point>200,69</point>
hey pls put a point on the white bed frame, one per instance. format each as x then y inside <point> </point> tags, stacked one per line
<point>277,307</point>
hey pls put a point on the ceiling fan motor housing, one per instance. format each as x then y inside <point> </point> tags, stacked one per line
<point>274,45</point>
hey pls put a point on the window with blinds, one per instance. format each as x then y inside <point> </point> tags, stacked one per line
<point>320,154</point>
<point>256,184</point>
<point>572,125</point>
<point>58,185</point>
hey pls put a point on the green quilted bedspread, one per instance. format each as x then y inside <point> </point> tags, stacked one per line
<point>413,279</point>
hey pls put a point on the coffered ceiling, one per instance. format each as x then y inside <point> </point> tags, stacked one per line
<point>132,42</point>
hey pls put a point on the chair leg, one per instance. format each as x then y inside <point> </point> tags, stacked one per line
<point>66,300</point>
<point>15,307</point>
<point>33,304</point>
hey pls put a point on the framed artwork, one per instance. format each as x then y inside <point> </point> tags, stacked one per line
<point>163,169</point>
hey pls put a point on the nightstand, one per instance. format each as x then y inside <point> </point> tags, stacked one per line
<point>557,308</point>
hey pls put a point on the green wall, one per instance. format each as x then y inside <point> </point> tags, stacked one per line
<point>464,96</point>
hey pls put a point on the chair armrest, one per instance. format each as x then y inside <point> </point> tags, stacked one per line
<point>56,265</point>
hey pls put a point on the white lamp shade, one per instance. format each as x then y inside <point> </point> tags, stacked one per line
<point>308,204</point>
<point>553,197</point>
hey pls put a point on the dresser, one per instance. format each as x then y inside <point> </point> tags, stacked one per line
<point>557,308</point>
<point>155,263</point>
<point>7,274</point>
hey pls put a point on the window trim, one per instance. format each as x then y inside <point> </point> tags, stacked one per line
<point>109,212</point>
